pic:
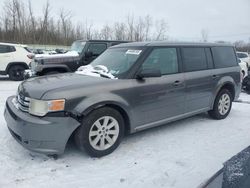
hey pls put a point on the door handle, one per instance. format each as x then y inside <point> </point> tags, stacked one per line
<point>177,83</point>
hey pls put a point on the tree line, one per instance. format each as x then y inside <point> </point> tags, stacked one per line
<point>19,24</point>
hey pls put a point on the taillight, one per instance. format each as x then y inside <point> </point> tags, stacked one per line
<point>30,56</point>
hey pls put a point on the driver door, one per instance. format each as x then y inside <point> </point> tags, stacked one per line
<point>96,49</point>
<point>159,99</point>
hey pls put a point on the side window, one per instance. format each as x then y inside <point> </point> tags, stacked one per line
<point>224,57</point>
<point>241,55</point>
<point>164,59</point>
<point>194,59</point>
<point>6,49</point>
<point>97,48</point>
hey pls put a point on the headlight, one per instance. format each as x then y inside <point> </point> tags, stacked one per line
<point>41,108</point>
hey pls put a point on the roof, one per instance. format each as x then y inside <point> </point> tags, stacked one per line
<point>166,43</point>
<point>120,41</point>
<point>12,44</point>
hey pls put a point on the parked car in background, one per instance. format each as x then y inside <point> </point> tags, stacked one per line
<point>129,88</point>
<point>14,59</point>
<point>38,51</point>
<point>244,56</point>
<point>82,53</point>
<point>244,68</point>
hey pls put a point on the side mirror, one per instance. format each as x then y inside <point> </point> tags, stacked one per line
<point>147,73</point>
<point>88,54</point>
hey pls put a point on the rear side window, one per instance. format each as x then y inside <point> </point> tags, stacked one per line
<point>242,55</point>
<point>97,48</point>
<point>164,59</point>
<point>7,49</point>
<point>27,49</point>
<point>224,57</point>
<point>194,59</point>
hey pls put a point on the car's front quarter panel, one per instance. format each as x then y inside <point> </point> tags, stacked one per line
<point>80,101</point>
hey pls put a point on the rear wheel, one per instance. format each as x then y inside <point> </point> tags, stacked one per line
<point>16,72</point>
<point>222,105</point>
<point>101,132</point>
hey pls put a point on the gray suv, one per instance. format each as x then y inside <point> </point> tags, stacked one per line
<point>129,88</point>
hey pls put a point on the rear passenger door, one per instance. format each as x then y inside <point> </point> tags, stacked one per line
<point>225,65</point>
<point>197,64</point>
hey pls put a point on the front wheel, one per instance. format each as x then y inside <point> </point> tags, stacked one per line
<point>101,132</point>
<point>222,105</point>
<point>16,72</point>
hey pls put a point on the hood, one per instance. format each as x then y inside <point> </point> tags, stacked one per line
<point>51,56</point>
<point>57,58</point>
<point>37,87</point>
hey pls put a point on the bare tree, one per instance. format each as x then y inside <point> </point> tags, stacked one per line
<point>161,29</point>
<point>130,27</point>
<point>204,35</point>
<point>66,24</point>
<point>119,31</point>
<point>106,32</point>
<point>148,25</point>
<point>45,23</point>
<point>18,23</point>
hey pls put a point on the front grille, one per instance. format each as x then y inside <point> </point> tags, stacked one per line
<point>23,102</point>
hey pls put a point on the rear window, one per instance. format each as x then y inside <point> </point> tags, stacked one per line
<point>241,55</point>
<point>27,49</point>
<point>7,49</point>
<point>194,59</point>
<point>224,57</point>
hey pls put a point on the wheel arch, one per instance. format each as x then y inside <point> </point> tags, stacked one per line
<point>227,85</point>
<point>119,107</point>
<point>16,63</point>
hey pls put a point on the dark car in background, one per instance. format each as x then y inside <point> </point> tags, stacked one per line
<point>82,52</point>
<point>129,88</point>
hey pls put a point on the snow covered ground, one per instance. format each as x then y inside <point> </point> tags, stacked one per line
<point>179,155</point>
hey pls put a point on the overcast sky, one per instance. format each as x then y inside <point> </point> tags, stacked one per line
<point>222,19</point>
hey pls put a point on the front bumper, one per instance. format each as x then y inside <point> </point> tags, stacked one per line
<point>29,74</point>
<point>48,135</point>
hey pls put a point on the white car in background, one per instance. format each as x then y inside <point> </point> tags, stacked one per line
<point>244,56</point>
<point>14,59</point>
<point>244,68</point>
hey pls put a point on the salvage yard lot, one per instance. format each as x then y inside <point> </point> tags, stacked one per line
<point>180,155</point>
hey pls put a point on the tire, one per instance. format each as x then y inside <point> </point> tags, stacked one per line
<point>104,139</point>
<point>222,105</point>
<point>246,84</point>
<point>243,74</point>
<point>15,72</point>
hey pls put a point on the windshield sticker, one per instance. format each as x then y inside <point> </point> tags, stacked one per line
<point>134,52</point>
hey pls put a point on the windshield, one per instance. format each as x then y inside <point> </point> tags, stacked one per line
<point>118,60</point>
<point>78,46</point>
